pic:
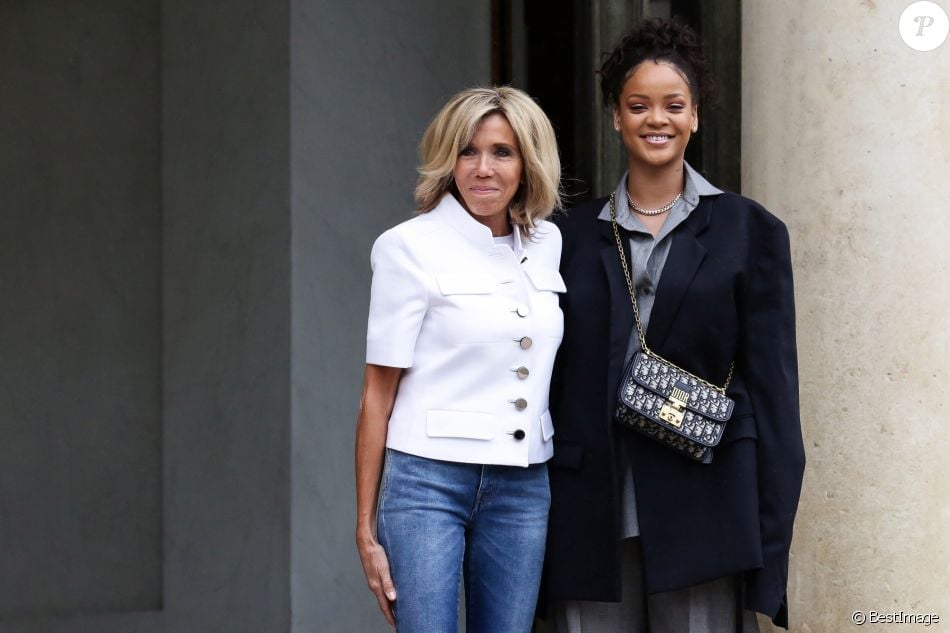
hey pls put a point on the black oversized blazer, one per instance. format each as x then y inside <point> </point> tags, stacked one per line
<point>725,294</point>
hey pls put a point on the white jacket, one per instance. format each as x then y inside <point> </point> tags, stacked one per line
<point>477,326</point>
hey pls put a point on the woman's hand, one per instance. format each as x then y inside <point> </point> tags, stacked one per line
<point>376,568</point>
<point>379,395</point>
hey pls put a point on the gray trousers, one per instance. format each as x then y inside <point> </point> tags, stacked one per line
<point>712,607</point>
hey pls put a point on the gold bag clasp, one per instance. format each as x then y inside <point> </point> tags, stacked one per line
<point>674,408</point>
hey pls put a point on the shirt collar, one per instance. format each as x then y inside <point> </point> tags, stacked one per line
<point>694,187</point>
<point>474,232</point>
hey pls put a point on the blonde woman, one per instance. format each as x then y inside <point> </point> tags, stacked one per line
<point>454,430</point>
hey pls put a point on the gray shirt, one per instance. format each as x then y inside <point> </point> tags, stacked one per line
<point>648,257</point>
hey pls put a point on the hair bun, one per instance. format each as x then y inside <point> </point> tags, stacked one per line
<point>673,41</point>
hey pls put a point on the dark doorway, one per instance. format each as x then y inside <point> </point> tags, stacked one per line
<point>552,49</point>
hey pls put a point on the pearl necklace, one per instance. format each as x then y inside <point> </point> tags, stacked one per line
<point>638,209</point>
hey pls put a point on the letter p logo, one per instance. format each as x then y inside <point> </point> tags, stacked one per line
<point>924,26</point>
<point>924,21</point>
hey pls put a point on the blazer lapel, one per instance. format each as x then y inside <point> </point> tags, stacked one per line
<point>686,255</point>
<point>621,312</point>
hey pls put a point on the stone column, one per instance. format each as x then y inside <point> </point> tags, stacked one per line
<point>846,137</point>
<point>609,20</point>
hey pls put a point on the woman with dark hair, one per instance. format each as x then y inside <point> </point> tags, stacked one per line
<point>641,537</point>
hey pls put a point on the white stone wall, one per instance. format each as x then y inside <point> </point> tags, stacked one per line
<point>846,137</point>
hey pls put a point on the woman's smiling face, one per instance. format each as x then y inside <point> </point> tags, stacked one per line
<point>656,115</point>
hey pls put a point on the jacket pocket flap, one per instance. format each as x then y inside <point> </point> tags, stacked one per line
<point>463,424</point>
<point>466,284</point>
<point>547,426</point>
<point>546,279</point>
<point>739,427</point>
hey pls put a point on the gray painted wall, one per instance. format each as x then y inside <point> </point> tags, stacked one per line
<point>226,203</point>
<point>188,192</point>
<point>366,79</point>
<point>80,327</point>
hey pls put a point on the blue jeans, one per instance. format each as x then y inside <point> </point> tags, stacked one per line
<point>439,520</point>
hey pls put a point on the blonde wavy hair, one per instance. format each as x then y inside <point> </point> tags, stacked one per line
<point>454,127</point>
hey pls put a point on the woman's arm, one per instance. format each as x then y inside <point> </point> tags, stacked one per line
<point>376,405</point>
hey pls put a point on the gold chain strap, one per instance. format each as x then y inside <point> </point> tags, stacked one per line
<point>636,308</point>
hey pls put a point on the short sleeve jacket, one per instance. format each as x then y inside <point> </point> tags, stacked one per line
<point>477,326</point>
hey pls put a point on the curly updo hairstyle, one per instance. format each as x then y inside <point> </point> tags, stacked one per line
<point>657,40</point>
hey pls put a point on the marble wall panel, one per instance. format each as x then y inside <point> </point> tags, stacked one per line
<point>80,332</point>
<point>846,136</point>
<point>366,78</point>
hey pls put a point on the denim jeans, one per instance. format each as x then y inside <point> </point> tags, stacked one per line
<point>439,520</point>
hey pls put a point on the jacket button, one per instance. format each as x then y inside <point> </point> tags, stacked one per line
<point>521,404</point>
<point>518,435</point>
<point>522,372</point>
<point>525,342</point>
<point>522,310</point>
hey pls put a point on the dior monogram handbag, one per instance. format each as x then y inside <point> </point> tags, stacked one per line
<point>665,402</point>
